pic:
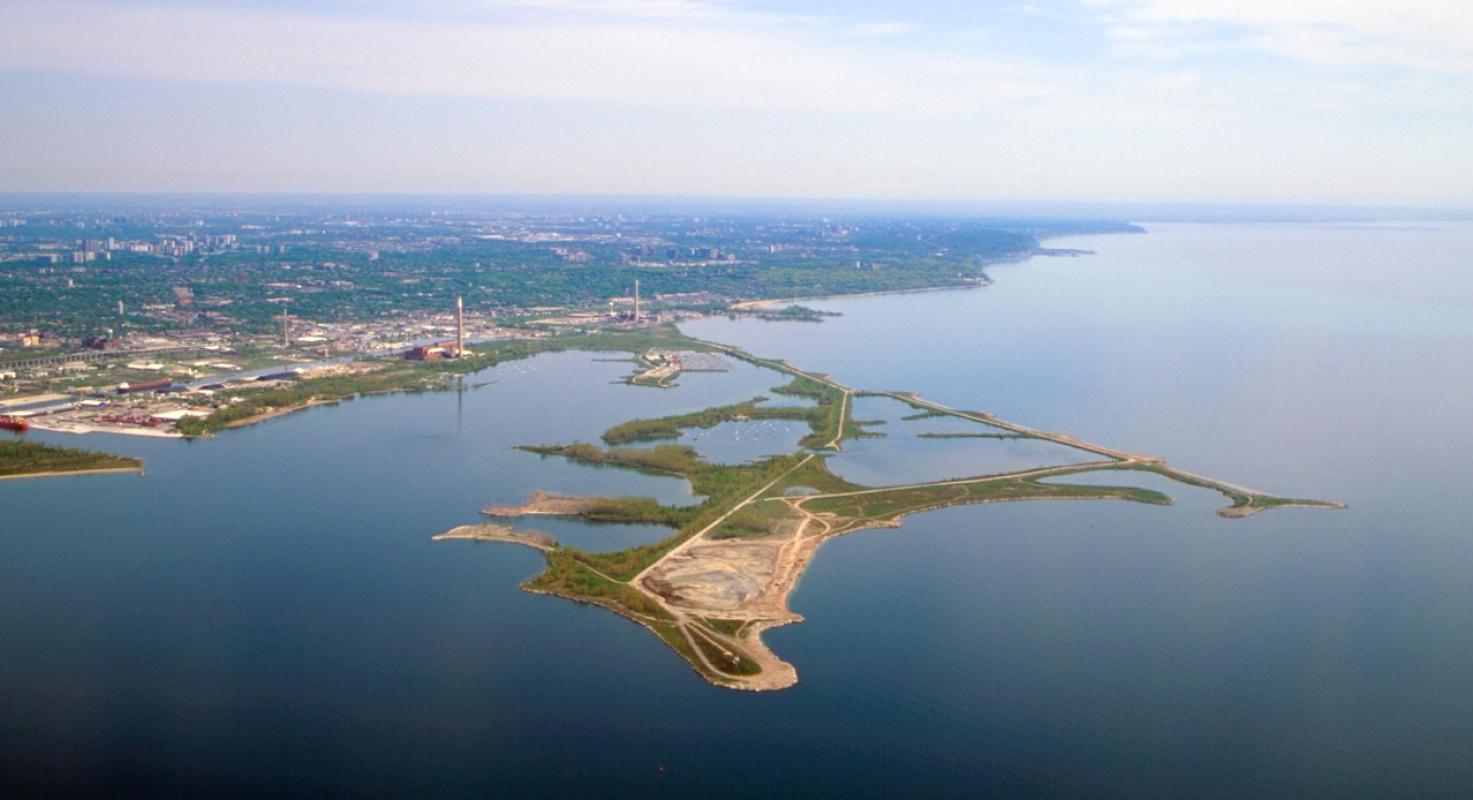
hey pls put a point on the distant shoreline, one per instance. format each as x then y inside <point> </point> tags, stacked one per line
<point>746,305</point>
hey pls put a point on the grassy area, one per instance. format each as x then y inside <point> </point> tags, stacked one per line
<point>660,337</point>
<point>757,519</point>
<point>665,459</point>
<point>885,505</point>
<point>814,475</point>
<point>793,313</point>
<point>723,485</point>
<point>565,575</point>
<point>33,458</point>
<point>824,417</point>
<point>730,627</point>
<point>1242,503</point>
<point>606,578</point>
<point>723,658</point>
<point>832,402</point>
<point>639,430</point>
<point>672,635</point>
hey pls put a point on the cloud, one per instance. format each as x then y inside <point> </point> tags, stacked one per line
<point>882,28</point>
<point>715,96</point>
<point>637,57</point>
<point>1416,34</point>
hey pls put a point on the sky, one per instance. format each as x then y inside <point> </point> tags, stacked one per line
<point>1356,102</point>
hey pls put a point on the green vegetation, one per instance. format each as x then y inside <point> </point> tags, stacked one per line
<point>639,430</point>
<point>1243,503</point>
<point>399,375</point>
<point>723,486</point>
<point>730,627</point>
<point>793,313</point>
<point>722,657</point>
<point>787,494</point>
<point>37,458</point>
<point>924,411</point>
<point>824,419</point>
<point>755,520</point>
<point>665,459</point>
<point>660,337</point>
<point>566,576</point>
<point>813,475</point>
<point>673,634</point>
<point>393,261</point>
<point>886,504</point>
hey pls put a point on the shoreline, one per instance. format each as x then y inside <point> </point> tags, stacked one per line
<point>138,470</point>
<point>244,422</point>
<point>82,429</point>
<point>690,575</point>
<point>1242,512</point>
<point>981,282</point>
<point>491,532</point>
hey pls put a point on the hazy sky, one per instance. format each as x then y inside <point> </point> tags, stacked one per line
<point>1341,101</point>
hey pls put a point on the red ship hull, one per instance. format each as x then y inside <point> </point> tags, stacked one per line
<point>14,424</point>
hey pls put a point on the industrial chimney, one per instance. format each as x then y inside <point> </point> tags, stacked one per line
<point>459,326</point>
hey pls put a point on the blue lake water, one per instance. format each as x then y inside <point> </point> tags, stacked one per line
<point>265,612</point>
<point>899,454</point>
<point>741,442</point>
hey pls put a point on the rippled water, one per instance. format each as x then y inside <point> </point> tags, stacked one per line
<point>265,612</point>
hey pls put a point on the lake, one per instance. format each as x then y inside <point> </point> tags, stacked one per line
<point>265,612</point>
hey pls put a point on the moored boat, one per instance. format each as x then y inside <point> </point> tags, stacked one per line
<point>17,424</point>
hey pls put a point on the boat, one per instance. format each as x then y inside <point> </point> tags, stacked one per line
<point>162,383</point>
<point>17,424</point>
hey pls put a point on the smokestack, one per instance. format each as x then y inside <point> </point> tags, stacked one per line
<point>120,308</point>
<point>459,326</point>
<point>636,301</point>
<point>286,331</point>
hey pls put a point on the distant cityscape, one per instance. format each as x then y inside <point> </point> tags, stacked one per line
<point>141,314</point>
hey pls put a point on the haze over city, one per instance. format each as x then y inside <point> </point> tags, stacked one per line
<point>1301,101</point>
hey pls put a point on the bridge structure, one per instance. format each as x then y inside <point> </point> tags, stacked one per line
<point>85,356</point>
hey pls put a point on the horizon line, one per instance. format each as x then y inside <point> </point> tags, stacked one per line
<point>1094,205</point>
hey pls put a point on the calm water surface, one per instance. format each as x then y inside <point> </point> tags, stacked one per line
<point>899,454</point>
<point>265,612</point>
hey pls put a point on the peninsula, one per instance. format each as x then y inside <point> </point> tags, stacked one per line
<point>22,459</point>
<point>723,577</point>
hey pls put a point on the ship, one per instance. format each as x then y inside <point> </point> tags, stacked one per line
<point>17,424</point>
<point>163,383</point>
